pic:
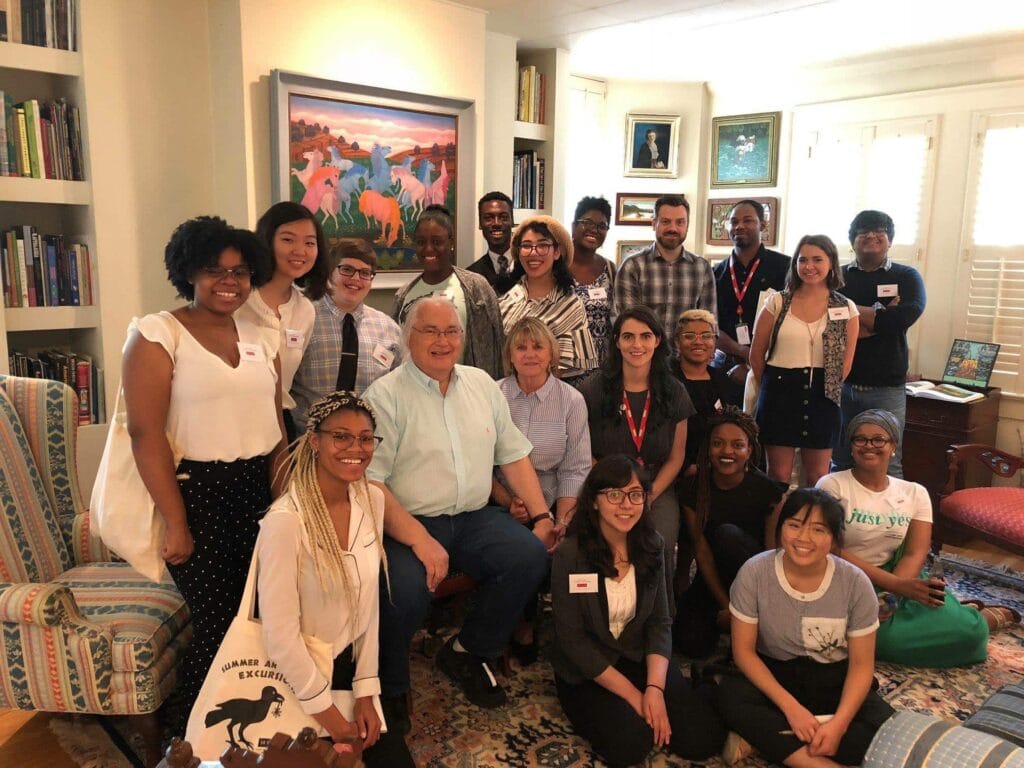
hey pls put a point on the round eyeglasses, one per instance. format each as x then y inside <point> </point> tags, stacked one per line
<point>345,440</point>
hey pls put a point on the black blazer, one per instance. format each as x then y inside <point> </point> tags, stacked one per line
<point>484,266</point>
<point>583,645</point>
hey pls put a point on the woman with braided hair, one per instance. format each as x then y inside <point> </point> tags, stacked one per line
<point>729,508</point>
<point>320,554</point>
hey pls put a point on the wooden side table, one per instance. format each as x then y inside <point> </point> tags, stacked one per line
<point>933,425</point>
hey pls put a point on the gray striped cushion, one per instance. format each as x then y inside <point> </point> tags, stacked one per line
<point>1002,715</point>
<point>913,740</point>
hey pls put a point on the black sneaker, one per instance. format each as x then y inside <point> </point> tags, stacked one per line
<point>472,675</point>
<point>396,714</point>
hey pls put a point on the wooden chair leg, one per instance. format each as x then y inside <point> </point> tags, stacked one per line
<point>149,728</point>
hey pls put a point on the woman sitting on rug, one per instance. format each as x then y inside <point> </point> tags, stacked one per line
<point>888,535</point>
<point>730,509</point>
<point>320,551</point>
<point>612,649</point>
<point>803,635</point>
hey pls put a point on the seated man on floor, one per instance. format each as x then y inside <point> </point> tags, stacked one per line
<point>443,428</point>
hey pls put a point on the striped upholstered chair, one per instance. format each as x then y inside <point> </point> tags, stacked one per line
<point>78,633</point>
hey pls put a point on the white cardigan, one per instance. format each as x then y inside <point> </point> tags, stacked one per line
<point>293,603</point>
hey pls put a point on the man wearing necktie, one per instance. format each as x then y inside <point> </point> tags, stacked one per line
<point>495,211</point>
<point>352,344</point>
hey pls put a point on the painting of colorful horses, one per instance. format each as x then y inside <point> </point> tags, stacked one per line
<point>368,169</point>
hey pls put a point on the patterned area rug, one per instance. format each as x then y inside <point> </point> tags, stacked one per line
<point>448,732</point>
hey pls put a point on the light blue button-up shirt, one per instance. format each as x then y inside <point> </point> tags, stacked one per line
<point>439,450</point>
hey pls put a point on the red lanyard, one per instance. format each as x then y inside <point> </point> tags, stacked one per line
<point>637,434</point>
<point>746,284</point>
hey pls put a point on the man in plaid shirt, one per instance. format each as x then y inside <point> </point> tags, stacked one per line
<point>665,276</point>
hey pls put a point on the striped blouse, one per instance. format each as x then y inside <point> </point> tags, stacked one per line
<point>564,314</point>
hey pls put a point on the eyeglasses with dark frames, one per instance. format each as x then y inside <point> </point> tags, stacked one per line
<point>875,441</point>
<point>241,272</point>
<point>350,271</point>
<point>345,440</point>
<point>542,248</point>
<point>617,496</point>
<point>597,226</point>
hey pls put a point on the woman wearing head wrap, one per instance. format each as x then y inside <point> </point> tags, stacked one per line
<point>543,251</point>
<point>888,535</point>
<point>320,554</point>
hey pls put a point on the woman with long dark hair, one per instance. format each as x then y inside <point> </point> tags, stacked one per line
<point>612,652</point>
<point>296,242</point>
<point>638,408</point>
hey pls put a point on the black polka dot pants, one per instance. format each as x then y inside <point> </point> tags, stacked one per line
<point>224,502</point>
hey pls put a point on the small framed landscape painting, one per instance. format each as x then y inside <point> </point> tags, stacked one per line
<point>745,151</point>
<point>652,145</point>
<point>718,219</point>
<point>635,209</point>
<point>627,248</point>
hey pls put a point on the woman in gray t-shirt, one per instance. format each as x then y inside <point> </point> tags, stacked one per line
<point>803,635</point>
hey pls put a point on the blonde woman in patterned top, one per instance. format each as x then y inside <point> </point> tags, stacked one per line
<point>543,250</point>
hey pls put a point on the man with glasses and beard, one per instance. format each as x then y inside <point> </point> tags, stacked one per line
<point>741,279</point>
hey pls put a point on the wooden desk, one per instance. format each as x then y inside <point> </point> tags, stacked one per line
<point>934,425</point>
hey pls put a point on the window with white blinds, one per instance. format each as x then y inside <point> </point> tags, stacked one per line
<point>994,247</point>
<point>887,166</point>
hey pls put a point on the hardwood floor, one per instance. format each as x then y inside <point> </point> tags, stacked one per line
<point>26,741</point>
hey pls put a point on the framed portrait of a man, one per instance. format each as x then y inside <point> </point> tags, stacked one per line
<point>652,145</point>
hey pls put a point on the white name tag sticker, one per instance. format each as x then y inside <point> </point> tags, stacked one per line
<point>294,339</point>
<point>597,292</point>
<point>838,313</point>
<point>582,583</point>
<point>743,334</point>
<point>383,355</point>
<point>251,353</point>
<point>889,289</point>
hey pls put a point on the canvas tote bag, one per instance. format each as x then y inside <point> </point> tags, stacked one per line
<point>121,511</point>
<point>245,698</point>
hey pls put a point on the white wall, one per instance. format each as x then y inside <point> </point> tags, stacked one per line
<point>689,100</point>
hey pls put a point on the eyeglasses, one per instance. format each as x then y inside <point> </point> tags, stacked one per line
<point>348,271</point>
<point>345,440</point>
<point>241,272</point>
<point>875,441</point>
<point>542,249</point>
<point>451,334</point>
<point>875,231</point>
<point>616,496</point>
<point>703,335</point>
<point>596,226</point>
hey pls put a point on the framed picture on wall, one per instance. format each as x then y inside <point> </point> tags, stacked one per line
<point>652,145</point>
<point>745,150</point>
<point>635,208</point>
<point>627,248</point>
<point>718,219</point>
<point>366,161</point>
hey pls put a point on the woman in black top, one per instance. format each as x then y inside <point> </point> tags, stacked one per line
<point>637,408</point>
<point>612,649</point>
<point>729,508</point>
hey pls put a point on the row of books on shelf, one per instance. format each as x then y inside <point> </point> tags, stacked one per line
<point>48,23</point>
<point>76,370</point>
<point>527,180</point>
<point>532,90</point>
<point>44,271</point>
<point>41,139</point>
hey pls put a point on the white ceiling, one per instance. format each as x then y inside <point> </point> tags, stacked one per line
<point>708,39</point>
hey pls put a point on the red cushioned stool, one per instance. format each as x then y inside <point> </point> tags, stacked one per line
<point>995,515</point>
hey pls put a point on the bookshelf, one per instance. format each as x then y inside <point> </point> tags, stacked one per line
<point>53,207</point>
<point>547,140</point>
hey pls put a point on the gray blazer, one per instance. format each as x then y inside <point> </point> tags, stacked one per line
<point>485,335</point>
<point>584,646</point>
